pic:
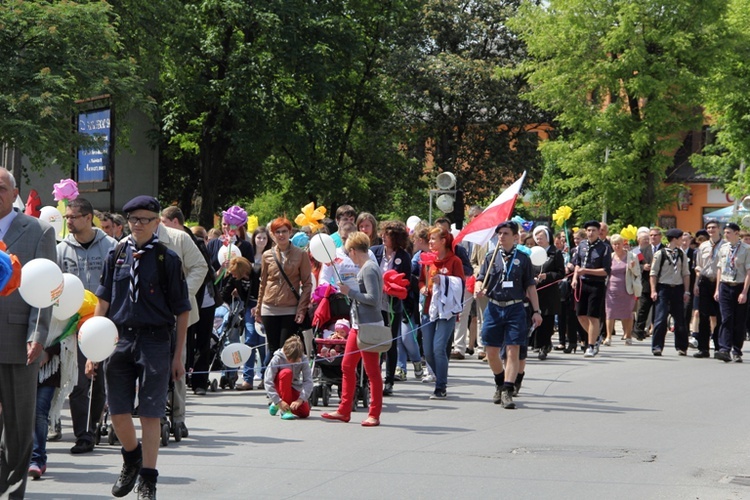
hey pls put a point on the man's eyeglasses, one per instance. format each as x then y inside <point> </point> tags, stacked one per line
<point>72,217</point>
<point>141,220</point>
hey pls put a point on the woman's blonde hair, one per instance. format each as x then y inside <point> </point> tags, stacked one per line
<point>358,241</point>
<point>616,238</point>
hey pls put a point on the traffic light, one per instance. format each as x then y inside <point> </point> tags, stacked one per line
<point>448,199</point>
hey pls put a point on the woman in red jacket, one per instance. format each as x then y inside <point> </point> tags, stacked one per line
<point>437,331</point>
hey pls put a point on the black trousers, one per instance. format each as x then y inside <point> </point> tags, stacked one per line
<point>733,315</point>
<point>391,356</point>
<point>199,348</point>
<point>79,401</point>
<point>278,330</point>
<point>644,307</point>
<point>670,302</point>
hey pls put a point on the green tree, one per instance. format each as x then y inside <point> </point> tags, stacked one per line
<point>455,82</point>
<point>54,53</point>
<point>623,78</point>
<point>727,101</point>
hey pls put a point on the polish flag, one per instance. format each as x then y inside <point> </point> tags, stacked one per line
<point>481,229</point>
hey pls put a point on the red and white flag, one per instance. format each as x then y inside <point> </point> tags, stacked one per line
<point>481,229</point>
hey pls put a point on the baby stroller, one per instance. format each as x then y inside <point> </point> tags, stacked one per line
<point>229,324</point>
<point>329,354</point>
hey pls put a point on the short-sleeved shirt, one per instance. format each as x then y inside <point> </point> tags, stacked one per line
<point>594,256</point>
<point>670,266</point>
<point>153,309</point>
<point>706,259</point>
<point>734,262</point>
<point>514,267</point>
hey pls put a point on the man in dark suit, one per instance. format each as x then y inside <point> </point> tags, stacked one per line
<point>21,342</point>
<point>646,302</point>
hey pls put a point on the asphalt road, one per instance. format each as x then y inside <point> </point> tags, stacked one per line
<point>623,425</point>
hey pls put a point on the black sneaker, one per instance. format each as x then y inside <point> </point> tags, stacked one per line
<point>146,490</point>
<point>498,396</point>
<point>127,479</point>
<point>439,394</point>
<point>82,446</point>
<point>388,389</point>
<point>737,358</point>
<point>722,355</point>
<point>507,400</point>
<point>701,354</point>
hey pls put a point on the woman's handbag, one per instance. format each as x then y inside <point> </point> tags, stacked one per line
<point>374,338</point>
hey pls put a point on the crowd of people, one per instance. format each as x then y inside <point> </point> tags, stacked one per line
<point>164,284</point>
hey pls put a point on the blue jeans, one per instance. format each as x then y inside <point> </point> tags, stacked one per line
<point>408,347</point>
<point>435,335</point>
<point>256,342</point>
<point>44,396</point>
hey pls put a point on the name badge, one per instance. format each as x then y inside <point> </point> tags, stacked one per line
<point>507,284</point>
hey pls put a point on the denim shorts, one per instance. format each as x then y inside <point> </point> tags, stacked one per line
<point>505,325</point>
<point>142,357</point>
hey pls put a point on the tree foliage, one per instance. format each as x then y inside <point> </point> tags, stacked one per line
<point>458,95</point>
<point>727,102</point>
<point>54,53</point>
<point>623,78</point>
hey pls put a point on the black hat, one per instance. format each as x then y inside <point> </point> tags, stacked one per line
<point>673,234</point>
<point>142,203</point>
<point>590,223</point>
<point>732,226</point>
<point>509,224</point>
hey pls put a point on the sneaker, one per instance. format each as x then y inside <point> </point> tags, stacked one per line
<point>388,389</point>
<point>723,355</point>
<point>737,358</point>
<point>146,490</point>
<point>428,378</point>
<point>498,396</point>
<point>656,352</point>
<point>589,353</point>
<point>693,342</point>
<point>439,394</point>
<point>456,355</point>
<point>199,391</point>
<point>628,341</point>
<point>418,370</point>
<point>273,409</point>
<point>400,375</point>
<point>681,352</point>
<point>82,446</point>
<point>244,386</point>
<point>55,431</point>
<point>701,354</point>
<point>288,415</point>
<point>506,400</point>
<point>127,479</point>
<point>35,472</point>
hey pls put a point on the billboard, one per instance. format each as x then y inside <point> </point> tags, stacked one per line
<point>94,162</point>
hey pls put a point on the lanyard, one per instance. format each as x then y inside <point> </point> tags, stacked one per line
<point>730,258</point>
<point>507,269</point>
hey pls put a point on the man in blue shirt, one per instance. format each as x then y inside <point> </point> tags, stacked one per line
<point>142,290</point>
<point>507,278</point>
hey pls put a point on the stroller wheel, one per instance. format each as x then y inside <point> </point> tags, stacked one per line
<point>164,433</point>
<point>326,396</point>
<point>214,385</point>
<point>315,395</point>
<point>111,436</point>
<point>366,396</point>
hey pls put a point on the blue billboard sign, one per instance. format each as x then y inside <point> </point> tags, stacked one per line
<point>94,161</point>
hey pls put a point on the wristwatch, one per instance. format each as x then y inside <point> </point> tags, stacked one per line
<point>538,311</point>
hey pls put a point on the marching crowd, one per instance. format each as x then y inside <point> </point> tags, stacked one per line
<point>162,284</point>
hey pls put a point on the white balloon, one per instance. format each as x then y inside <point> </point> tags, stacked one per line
<point>41,283</point>
<point>412,222</point>
<point>235,355</point>
<point>97,338</point>
<point>538,256</point>
<point>71,299</point>
<point>53,217</point>
<point>323,248</point>
<point>225,250</point>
